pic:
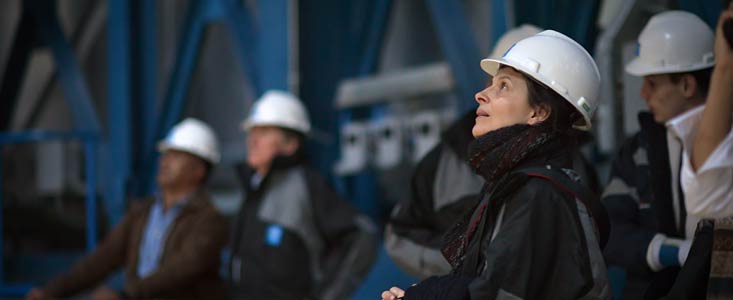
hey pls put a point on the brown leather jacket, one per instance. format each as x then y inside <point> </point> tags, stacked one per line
<point>189,264</point>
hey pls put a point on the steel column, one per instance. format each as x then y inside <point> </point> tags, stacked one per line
<point>499,20</point>
<point>273,44</point>
<point>459,47</point>
<point>118,108</point>
<point>144,67</point>
<point>76,92</point>
<point>242,31</point>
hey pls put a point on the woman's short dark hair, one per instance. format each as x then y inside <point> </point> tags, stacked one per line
<point>300,155</point>
<point>563,115</point>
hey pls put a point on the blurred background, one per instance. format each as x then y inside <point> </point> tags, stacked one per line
<point>88,87</point>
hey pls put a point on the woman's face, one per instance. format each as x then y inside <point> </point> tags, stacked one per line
<point>264,143</point>
<point>504,102</point>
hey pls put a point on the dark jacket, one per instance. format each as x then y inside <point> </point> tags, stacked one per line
<point>639,202</point>
<point>443,189</point>
<point>526,239</point>
<point>295,238</point>
<point>189,264</point>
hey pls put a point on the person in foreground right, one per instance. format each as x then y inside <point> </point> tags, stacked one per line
<point>533,235</point>
<point>707,138</point>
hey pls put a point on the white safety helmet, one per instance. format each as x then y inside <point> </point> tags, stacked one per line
<point>673,42</point>
<point>194,137</point>
<point>558,62</point>
<point>511,37</point>
<point>280,109</point>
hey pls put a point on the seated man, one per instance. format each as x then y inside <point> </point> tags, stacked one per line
<point>168,244</point>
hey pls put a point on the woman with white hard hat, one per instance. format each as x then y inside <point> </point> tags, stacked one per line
<point>536,234</point>
<point>294,237</point>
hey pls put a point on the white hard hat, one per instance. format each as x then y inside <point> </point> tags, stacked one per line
<point>558,62</point>
<point>192,136</point>
<point>511,37</point>
<point>280,109</point>
<point>673,42</point>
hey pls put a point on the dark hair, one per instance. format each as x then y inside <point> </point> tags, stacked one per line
<point>300,154</point>
<point>563,115</point>
<point>702,78</point>
<point>208,169</point>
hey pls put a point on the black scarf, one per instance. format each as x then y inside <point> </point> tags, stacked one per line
<point>494,154</point>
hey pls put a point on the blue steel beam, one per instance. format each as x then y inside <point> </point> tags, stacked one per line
<point>459,47</point>
<point>75,90</point>
<point>199,14</point>
<point>144,89</point>
<point>89,139</point>
<point>175,96</point>
<point>244,38</point>
<point>90,166</point>
<point>499,22</point>
<point>23,43</point>
<point>272,44</point>
<point>375,37</point>
<point>188,51</point>
<point>118,108</point>
<point>365,183</point>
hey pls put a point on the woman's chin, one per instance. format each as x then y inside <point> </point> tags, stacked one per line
<point>478,130</point>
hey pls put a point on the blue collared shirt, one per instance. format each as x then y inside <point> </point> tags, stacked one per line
<point>154,236</point>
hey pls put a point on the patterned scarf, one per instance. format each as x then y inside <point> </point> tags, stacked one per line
<point>492,156</point>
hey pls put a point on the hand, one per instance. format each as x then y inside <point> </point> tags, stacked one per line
<point>35,294</point>
<point>723,51</point>
<point>393,294</point>
<point>105,293</point>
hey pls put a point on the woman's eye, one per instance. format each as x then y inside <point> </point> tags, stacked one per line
<point>503,86</point>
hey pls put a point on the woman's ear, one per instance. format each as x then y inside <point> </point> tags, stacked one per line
<point>540,113</point>
<point>290,146</point>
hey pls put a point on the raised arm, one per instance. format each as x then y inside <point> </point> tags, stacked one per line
<point>716,120</point>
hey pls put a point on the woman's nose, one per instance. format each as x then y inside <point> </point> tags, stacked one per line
<point>482,96</point>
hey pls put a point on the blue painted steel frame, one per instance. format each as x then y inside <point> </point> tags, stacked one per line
<point>199,14</point>
<point>272,44</point>
<point>499,22</point>
<point>118,108</point>
<point>459,47</point>
<point>74,87</point>
<point>363,191</point>
<point>90,140</point>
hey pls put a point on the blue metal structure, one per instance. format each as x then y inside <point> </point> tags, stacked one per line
<point>118,108</point>
<point>575,18</point>
<point>90,140</point>
<point>238,19</point>
<point>459,48</point>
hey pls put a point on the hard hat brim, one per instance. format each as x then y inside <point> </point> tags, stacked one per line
<point>163,146</point>
<point>247,125</point>
<point>637,67</point>
<point>491,66</point>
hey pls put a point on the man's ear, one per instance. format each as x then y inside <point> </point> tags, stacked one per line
<point>689,86</point>
<point>540,113</point>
